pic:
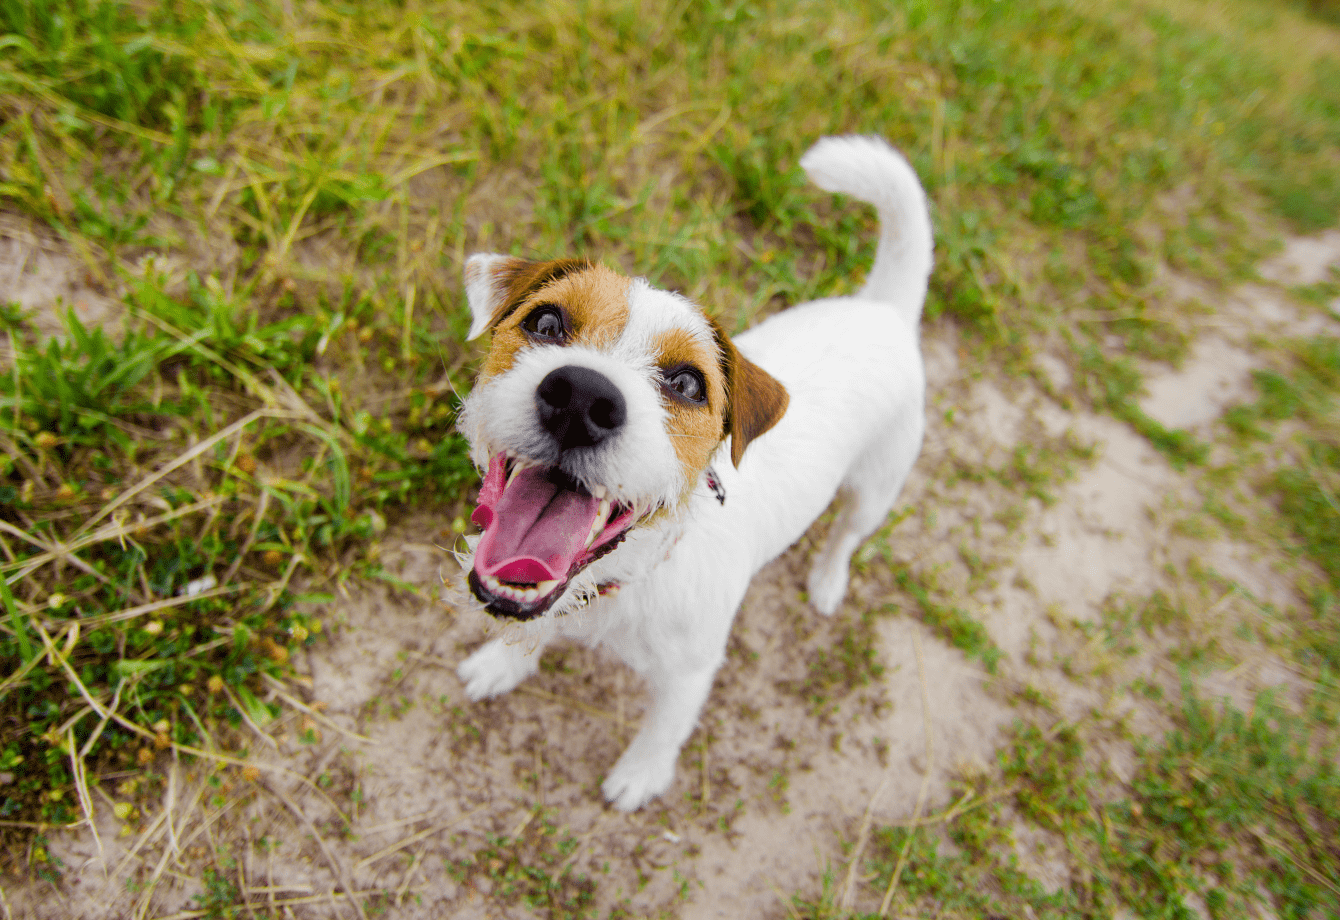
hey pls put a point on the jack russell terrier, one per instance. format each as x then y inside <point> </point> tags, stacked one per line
<point>641,466</point>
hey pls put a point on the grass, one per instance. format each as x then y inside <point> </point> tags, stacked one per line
<point>278,199</point>
<point>530,867</point>
<point>1223,785</point>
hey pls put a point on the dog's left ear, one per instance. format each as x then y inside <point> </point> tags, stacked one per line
<point>495,285</point>
<point>755,401</point>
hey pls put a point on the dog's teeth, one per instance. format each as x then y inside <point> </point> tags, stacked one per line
<point>545,587</point>
<point>517,466</point>
<point>598,491</point>
<point>598,525</point>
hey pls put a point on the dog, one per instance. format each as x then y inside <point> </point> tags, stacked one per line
<point>640,465</point>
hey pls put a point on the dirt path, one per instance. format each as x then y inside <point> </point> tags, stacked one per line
<point>792,752</point>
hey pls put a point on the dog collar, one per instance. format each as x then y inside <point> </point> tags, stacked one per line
<point>714,484</point>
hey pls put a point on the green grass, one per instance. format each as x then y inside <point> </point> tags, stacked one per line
<point>530,867</point>
<point>953,623</point>
<point>279,197</point>
<point>1228,806</point>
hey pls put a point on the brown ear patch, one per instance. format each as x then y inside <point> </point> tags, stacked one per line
<point>517,279</point>
<point>755,401</point>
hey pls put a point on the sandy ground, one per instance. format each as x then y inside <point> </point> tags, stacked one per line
<point>770,786</point>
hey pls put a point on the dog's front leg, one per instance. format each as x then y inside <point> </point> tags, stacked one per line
<point>647,767</point>
<point>498,667</point>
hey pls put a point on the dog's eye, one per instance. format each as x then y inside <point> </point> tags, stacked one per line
<point>544,323</point>
<point>688,383</point>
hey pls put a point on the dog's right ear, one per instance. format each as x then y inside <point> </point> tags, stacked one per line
<point>495,285</point>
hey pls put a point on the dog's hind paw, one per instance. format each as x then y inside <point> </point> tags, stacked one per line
<point>495,669</point>
<point>827,587</point>
<point>636,780</point>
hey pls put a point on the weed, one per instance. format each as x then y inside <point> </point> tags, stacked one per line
<point>530,868</point>
<point>1036,466</point>
<point>952,622</point>
<point>837,670</point>
<point>1230,806</point>
<point>1113,384</point>
<point>219,899</point>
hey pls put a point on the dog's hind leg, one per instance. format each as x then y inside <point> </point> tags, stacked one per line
<point>868,493</point>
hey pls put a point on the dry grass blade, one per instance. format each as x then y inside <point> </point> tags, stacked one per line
<point>569,702</point>
<point>56,656</point>
<point>336,864</point>
<point>174,832</point>
<point>1303,864</point>
<point>258,517</point>
<point>131,613</point>
<point>288,902</point>
<point>415,838</point>
<point>862,838</point>
<point>79,777</point>
<point>925,779</point>
<point>116,531</point>
<point>967,803</point>
<point>183,459</point>
<point>51,553</point>
<point>278,689</point>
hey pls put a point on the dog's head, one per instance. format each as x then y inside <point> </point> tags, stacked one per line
<point>599,406</point>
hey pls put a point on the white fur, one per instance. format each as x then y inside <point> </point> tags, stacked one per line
<point>479,290</point>
<point>853,369</point>
<point>638,465</point>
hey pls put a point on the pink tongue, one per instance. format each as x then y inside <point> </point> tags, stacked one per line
<point>533,530</point>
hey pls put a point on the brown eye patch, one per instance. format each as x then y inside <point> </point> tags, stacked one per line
<point>689,367</point>
<point>695,397</point>
<point>591,304</point>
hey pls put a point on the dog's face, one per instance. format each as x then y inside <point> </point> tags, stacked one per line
<point>599,406</point>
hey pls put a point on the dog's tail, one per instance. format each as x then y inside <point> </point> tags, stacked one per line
<point>869,169</point>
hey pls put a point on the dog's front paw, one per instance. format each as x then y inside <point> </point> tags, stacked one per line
<point>637,779</point>
<point>494,669</point>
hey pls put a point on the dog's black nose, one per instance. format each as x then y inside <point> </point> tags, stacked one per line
<point>579,407</point>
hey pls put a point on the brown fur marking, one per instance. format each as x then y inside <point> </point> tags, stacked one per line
<point>695,431</point>
<point>593,299</point>
<point>756,401</point>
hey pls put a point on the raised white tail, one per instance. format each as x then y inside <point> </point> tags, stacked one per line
<point>869,169</point>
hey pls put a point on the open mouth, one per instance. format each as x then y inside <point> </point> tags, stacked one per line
<point>541,528</point>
